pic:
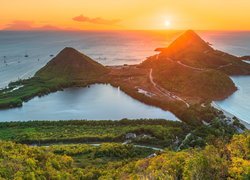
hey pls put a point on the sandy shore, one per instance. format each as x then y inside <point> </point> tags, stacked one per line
<point>228,114</point>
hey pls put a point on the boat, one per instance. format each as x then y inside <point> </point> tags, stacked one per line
<point>26,55</point>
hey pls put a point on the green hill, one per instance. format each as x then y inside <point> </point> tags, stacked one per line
<point>71,65</point>
<point>69,68</point>
<point>185,69</point>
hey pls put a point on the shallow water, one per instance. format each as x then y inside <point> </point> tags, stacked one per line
<point>98,102</point>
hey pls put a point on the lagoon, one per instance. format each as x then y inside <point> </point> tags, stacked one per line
<point>98,102</point>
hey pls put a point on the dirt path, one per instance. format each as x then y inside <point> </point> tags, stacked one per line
<point>224,66</point>
<point>164,91</point>
<point>201,69</point>
<point>194,68</point>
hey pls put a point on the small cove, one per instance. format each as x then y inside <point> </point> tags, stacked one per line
<point>238,103</point>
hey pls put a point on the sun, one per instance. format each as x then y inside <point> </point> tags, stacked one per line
<point>167,23</point>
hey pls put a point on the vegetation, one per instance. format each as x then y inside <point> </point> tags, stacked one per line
<point>208,85</point>
<point>190,152</point>
<point>72,65</point>
<point>219,160</point>
<point>64,161</point>
<point>158,132</point>
<point>27,89</point>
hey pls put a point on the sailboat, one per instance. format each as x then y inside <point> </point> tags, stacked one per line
<point>26,55</point>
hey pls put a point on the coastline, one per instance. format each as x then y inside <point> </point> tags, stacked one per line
<point>230,115</point>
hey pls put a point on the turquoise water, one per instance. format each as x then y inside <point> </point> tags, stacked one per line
<point>238,104</point>
<point>98,102</point>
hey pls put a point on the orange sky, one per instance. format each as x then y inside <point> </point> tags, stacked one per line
<point>125,14</point>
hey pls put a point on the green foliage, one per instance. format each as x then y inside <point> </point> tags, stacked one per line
<point>160,133</point>
<point>213,162</point>
<point>65,161</point>
<point>207,84</point>
<point>163,132</point>
<point>28,89</point>
<point>210,152</point>
<point>24,162</point>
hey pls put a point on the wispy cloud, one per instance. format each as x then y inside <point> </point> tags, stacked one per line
<point>20,25</point>
<point>97,20</point>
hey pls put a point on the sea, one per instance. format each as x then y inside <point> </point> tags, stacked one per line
<point>23,53</point>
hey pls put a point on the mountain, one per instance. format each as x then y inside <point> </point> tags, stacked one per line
<point>190,49</point>
<point>72,65</point>
<point>190,67</point>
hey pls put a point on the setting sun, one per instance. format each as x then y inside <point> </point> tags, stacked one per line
<point>167,23</point>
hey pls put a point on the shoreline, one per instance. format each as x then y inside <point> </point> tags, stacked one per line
<point>230,115</point>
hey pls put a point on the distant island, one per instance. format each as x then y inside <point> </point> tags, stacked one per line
<point>183,78</point>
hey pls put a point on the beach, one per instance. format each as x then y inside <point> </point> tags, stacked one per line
<point>229,115</point>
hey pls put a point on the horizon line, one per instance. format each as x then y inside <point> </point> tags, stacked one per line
<point>78,30</point>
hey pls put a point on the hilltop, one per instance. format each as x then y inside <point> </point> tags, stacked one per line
<point>70,64</point>
<point>187,42</point>
<point>192,50</point>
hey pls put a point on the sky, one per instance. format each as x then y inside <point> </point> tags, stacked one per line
<point>124,14</point>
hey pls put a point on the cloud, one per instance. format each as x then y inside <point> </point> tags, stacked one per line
<point>30,25</point>
<point>97,20</point>
<point>48,28</point>
<point>19,25</point>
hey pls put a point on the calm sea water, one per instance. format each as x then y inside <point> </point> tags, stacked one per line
<point>99,102</point>
<point>108,48</point>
